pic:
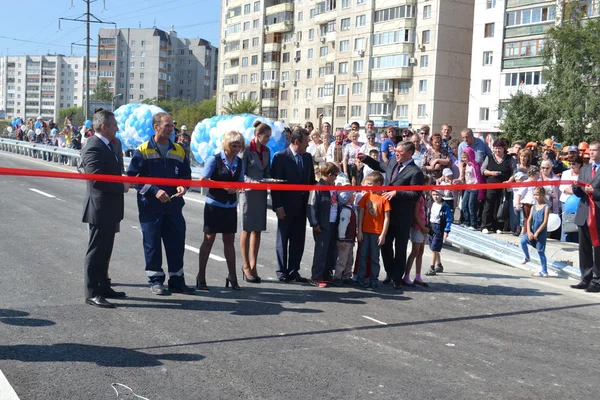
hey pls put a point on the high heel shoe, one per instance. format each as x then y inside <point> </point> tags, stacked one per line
<point>249,279</point>
<point>201,285</point>
<point>234,284</point>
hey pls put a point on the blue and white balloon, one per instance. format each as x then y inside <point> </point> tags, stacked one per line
<point>135,124</point>
<point>207,135</point>
<point>88,124</point>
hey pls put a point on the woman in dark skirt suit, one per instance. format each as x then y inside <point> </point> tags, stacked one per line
<point>254,202</point>
<point>220,210</point>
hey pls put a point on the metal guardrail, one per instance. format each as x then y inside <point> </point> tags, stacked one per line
<point>503,252</point>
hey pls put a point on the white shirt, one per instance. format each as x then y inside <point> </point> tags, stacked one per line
<point>434,216</point>
<point>567,175</point>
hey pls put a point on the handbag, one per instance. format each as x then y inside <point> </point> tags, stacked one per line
<point>568,223</point>
<point>503,211</point>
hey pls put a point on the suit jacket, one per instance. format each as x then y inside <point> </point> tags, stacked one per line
<point>585,176</point>
<point>284,167</point>
<point>104,201</point>
<point>403,203</point>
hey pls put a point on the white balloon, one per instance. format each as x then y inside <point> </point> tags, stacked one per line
<point>553,222</point>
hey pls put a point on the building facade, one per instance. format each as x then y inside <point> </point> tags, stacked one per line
<point>508,38</point>
<point>403,63</point>
<point>142,64</point>
<point>32,86</point>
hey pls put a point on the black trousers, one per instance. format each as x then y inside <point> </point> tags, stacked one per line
<point>493,197</point>
<point>589,256</point>
<point>393,251</point>
<point>97,258</point>
<point>289,245</point>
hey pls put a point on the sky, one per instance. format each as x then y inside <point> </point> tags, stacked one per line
<point>37,33</point>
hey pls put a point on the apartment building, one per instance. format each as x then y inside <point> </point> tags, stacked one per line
<point>402,63</point>
<point>508,37</point>
<point>151,63</point>
<point>32,86</point>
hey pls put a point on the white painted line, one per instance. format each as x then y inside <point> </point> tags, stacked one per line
<point>197,251</point>
<point>6,391</point>
<point>374,320</point>
<point>42,193</point>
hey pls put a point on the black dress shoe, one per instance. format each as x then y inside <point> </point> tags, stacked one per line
<point>387,280</point>
<point>300,279</point>
<point>98,301</point>
<point>593,288</point>
<point>398,285</point>
<point>581,285</point>
<point>284,278</point>
<point>113,294</point>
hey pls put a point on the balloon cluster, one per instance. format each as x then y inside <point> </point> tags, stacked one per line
<point>16,122</point>
<point>208,134</point>
<point>135,124</point>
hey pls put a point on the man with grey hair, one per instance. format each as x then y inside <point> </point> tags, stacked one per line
<point>103,209</point>
<point>480,148</point>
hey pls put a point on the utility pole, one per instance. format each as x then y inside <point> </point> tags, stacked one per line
<point>89,19</point>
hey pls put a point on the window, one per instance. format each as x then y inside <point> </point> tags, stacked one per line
<point>357,66</point>
<point>526,48</point>
<point>361,20</point>
<point>489,30</point>
<point>246,26</point>
<point>244,78</point>
<point>132,54</point>
<point>524,78</point>
<point>244,61</point>
<point>340,111</point>
<point>253,79</point>
<point>131,86</point>
<point>142,75</point>
<point>143,54</point>
<point>355,111</point>
<point>255,25</point>
<point>531,15</point>
<point>346,3</point>
<point>323,51</point>
<point>246,8</point>
<point>484,114</point>
<point>326,90</point>
<point>300,16</point>
<point>285,76</point>
<point>381,86</point>
<point>486,86</point>
<point>345,24</point>
<point>310,53</point>
<point>357,88</point>
<point>311,34</point>
<point>427,12</point>
<point>141,97</point>
<point>425,37</point>
<point>296,94</point>
<point>359,2</point>
<point>308,94</point>
<point>392,37</point>
<point>309,73</point>
<point>389,14</point>
<point>424,61</point>
<point>488,58</point>
<point>255,42</point>
<point>254,60</point>
<point>256,6</point>
<point>283,113</point>
<point>295,114</point>
<point>403,87</point>
<point>286,57</point>
<point>402,111</point>
<point>306,113</point>
<point>359,44</point>
<point>343,68</point>
<point>133,43</point>
<point>344,46</point>
<point>245,44</point>
<point>379,108</point>
<point>342,90</point>
<point>390,61</point>
<point>490,4</point>
<point>421,111</point>
<point>423,86</point>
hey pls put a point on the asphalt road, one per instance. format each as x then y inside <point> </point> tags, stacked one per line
<point>481,330</point>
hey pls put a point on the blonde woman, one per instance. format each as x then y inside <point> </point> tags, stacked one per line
<point>220,210</point>
<point>350,152</point>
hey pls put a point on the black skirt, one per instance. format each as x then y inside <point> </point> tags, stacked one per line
<point>219,219</point>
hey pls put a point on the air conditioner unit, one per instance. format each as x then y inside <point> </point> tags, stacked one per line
<point>282,84</point>
<point>323,39</point>
<point>266,28</point>
<point>360,52</point>
<point>297,44</point>
<point>265,84</point>
<point>223,41</point>
<point>283,46</point>
<point>422,47</point>
<point>287,23</point>
<point>412,61</point>
<point>296,59</point>
<point>385,97</point>
<point>294,83</point>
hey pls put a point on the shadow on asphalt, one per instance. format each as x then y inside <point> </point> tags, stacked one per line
<point>21,318</point>
<point>375,327</point>
<point>105,356</point>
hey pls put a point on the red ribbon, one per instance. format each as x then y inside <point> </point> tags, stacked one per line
<point>592,221</point>
<point>142,180</point>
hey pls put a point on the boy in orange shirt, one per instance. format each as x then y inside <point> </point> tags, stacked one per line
<point>372,228</point>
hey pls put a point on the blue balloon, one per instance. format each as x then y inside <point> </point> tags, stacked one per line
<point>37,124</point>
<point>135,123</point>
<point>88,124</point>
<point>571,204</point>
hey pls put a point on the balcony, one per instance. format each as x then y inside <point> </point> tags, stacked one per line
<point>270,65</point>
<point>270,84</point>
<point>286,6</point>
<point>330,57</point>
<point>271,47</point>
<point>392,73</point>
<point>330,37</point>
<point>231,71</point>
<point>285,26</point>
<point>232,54</point>
<point>230,88</point>
<point>522,62</point>
<point>269,102</point>
<point>323,11</point>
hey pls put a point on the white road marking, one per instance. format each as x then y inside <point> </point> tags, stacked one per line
<point>6,390</point>
<point>197,251</point>
<point>42,193</point>
<point>374,320</point>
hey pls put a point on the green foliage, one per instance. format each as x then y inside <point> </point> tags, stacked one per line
<point>529,118</point>
<point>102,92</point>
<point>187,113</point>
<point>572,60</point>
<point>75,113</point>
<point>247,106</point>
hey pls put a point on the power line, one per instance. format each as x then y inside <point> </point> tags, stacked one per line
<point>31,41</point>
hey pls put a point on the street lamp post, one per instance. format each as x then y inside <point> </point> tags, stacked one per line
<point>112,102</point>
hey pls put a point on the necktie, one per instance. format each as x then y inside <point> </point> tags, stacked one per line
<point>299,161</point>
<point>594,170</point>
<point>112,150</point>
<point>396,171</point>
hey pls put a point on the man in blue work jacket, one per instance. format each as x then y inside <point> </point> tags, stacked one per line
<point>160,206</point>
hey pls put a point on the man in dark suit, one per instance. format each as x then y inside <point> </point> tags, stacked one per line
<point>295,166</point>
<point>400,171</point>
<point>102,210</point>
<point>587,219</point>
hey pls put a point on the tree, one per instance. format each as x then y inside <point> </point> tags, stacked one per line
<point>102,92</point>
<point>75,113</point>
<point>529,118</point>
<point>247,106</point>
<point>193,113</point>
<point>572,60</point>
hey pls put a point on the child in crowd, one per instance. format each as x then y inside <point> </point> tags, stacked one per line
<point>440,218</point>
<point>470,174</point>
<point>346,236</point>
<point>418,233</point>
<point>322,216</point>
<point>516,226</point>
<point>524,196</point>
<point>445,180</point>
<point>373,223</point>
<point>536,228</point>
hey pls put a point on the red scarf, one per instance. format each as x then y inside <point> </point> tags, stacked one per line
<point>254,149</point>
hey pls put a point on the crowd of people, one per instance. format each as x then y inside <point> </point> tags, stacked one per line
<point>351,229</point>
